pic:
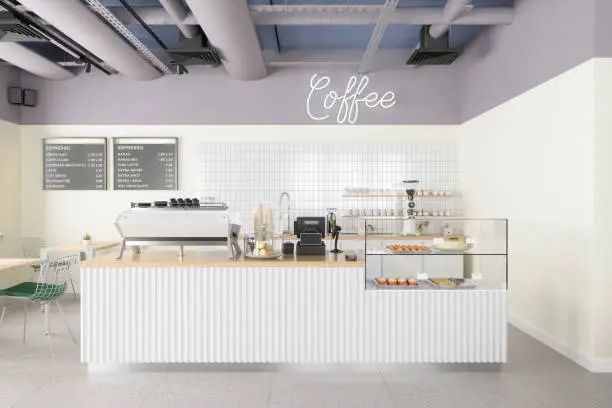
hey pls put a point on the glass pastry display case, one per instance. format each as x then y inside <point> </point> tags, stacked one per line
<point>441,254</point>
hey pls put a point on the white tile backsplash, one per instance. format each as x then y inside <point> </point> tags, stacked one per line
<point>320,175</point>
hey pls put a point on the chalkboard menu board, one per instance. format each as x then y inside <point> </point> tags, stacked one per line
<point>145,163</point>
<point>74,163</point>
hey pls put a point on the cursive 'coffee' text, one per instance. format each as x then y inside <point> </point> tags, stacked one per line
<point>348,104</point>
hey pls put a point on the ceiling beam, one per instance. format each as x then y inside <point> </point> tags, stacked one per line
<point>336,15</point>
<point>377,35</point>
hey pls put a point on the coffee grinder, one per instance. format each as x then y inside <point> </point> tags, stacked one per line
<point>410,226</point>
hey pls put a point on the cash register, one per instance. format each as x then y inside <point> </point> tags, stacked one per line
<point>310,232</point>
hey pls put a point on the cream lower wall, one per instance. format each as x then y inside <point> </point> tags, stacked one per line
<point>10,203</point>
<point>602,268</point>
<point>63,216</point>
<point>531,160</point>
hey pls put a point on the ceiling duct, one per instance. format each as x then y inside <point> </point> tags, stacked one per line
<point>228,26</point>
<point>177,12</point>
<point>78,22</point>
<point>26,59</point>
<point>451,11</point>
<point>433,51</point>
<point>13,30</point>
<point>194,52</point>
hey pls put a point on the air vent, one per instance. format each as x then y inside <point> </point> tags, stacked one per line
<point>195,51</point>
<point>204,56</point>
<point>13,30</point>
<point>433,51</point>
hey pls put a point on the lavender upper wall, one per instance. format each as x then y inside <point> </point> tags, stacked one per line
<point>9,77</point>
<point>547,38</point>
<point>427,96</point>
<point>603,28</point>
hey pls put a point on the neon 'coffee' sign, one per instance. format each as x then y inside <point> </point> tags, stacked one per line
<point>347,104</point>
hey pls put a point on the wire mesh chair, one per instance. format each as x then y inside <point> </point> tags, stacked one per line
<point>52,283</point>
<point>32,247</point>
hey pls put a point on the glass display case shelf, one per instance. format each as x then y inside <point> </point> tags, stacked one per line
<point>478,253</point>
<point>471,251</point>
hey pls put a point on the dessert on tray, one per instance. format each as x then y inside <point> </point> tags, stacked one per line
<point>452,243</point>
<point>408,248</point>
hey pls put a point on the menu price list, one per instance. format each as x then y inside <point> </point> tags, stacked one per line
<point>74,164</point>
<point>145,164</point>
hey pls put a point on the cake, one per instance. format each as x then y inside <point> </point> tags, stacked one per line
<point>453,243</point>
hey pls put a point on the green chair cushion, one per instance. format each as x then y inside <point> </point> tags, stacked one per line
<point>28,289</point>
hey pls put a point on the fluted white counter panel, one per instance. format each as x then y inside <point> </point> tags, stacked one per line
<point>209,314</point>
<point>435,326</point>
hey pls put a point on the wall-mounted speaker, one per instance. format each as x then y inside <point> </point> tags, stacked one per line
<point>15,96</point>
<point>30,97</point>
<point>19,96</point>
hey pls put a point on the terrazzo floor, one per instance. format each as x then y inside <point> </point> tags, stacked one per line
<point>534,377</point>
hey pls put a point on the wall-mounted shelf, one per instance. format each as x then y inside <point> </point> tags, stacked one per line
<point>395,217</point>
<point>396,196</point>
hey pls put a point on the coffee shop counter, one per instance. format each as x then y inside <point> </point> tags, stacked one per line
<point>153,308</point>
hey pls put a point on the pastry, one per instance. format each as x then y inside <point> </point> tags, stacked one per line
<point>408,248</point>
<point>392,282</point>
<point>412,282</point>
<point>381,281</point>
<point>402,282</point>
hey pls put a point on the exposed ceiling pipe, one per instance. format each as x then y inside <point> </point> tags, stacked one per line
<point>229,28</point>
<point>30,61</point>
<point>452,10</point>
<point>77,21</point>
<point>336,15</point>
<point>178,12</point>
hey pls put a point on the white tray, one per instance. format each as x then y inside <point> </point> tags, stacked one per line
<point>389,251</point>
<point>465,285</point>
<point>273,256</point>
<point>451,251</point>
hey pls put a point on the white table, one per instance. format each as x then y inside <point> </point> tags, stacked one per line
<point>85,251</point>
<point>10,263</point>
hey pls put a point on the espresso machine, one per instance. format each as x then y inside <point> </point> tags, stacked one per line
<point>409,226</point>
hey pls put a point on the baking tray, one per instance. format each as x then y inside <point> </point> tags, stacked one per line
<point>389,251</point>
<point>465,285</point>
<point>420,285</point>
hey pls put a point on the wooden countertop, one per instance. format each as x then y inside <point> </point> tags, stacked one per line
<point>153,258</point>
<point>354,237</point>
<point>8,263</point>
<point>78,247</point>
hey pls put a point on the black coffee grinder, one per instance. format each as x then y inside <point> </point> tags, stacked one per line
<point>410,227</point>
<point>333,229</point>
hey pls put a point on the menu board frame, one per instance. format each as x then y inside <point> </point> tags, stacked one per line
<point>146,140</point>
<point>73,140</point>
